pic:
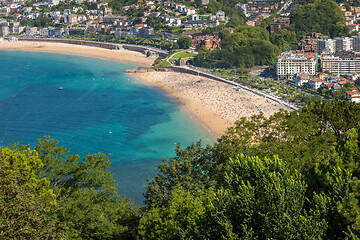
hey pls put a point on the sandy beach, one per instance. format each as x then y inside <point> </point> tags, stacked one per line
<point>118,55</point>
<point>218,105</point>
<point>214,104</point>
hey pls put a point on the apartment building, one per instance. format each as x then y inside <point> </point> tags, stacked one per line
<point>341,63</point>
<point>278,24</point>
<point>343,44</point>
<point>327,45</point>
<point>296,62</point>
<point>356,43</point>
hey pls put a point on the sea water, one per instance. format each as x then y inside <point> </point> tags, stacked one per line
<point>99,109</point>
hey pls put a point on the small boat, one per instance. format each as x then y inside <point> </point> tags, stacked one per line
<point>60,88</point>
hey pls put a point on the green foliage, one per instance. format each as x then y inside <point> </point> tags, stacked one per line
<point>116,5</point>
<point>285,40</point>
<point>41,21</point>
<point>189,168</point>
<point>25,199</point>
<point>264,200</point>
<point>250,32</point>
<point>184,42</point>
<point>179,219</point>
<point>322,16</point>
<point>156,23</point>
<point>253,199</point>
<point>88,204</point>
<point>247,46</point>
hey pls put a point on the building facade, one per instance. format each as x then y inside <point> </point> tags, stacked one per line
<point>327,45</point>
<point>345,63</point>
<point>343,44</point>
<point>278,24</point>
<point>296,62</point>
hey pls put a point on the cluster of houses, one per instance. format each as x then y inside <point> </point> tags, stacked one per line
<point>330,83</point>
<point>352,16</point>
<point>101,21</point>
<point>259,10</point>
<point>334,57</point>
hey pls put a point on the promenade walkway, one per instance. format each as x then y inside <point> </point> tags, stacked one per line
<point>204,73</point>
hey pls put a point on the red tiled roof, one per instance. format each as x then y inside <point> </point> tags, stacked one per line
<point>302,75</point>
<point>353,92</point>
<point>329,85</point>
<point>316,80</point>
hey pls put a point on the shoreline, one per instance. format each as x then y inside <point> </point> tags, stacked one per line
<point>204,116</point>
<point>117,55</point>
<point>213,104</point>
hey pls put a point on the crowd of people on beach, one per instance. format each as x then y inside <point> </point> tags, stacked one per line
<point>225,100</point>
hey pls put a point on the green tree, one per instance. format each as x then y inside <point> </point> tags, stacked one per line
<point>179,219</point>
<point>263,199</point>
<point>188,169</point>
<point>184,42</point>
<point>88,203</point>
<point>25,199</point>
<point>322,16</point>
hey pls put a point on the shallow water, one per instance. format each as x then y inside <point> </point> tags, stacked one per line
<point>100,109</point>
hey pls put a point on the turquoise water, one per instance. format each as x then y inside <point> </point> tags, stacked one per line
<point>100,109</point>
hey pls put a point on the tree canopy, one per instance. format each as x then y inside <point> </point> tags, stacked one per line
<point>294,175</point>
<point>323,16</point>
<point>246,47</point>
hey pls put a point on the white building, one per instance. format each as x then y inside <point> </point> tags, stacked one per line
<point>301,79</point>
<point>353,95</point>
<point>53,2</point>
<point>328,44</point>
<point>315,83</point>
<point>244,8</point>
<point>341,64</point>
<point>343,44</point>
<point>296,62</point>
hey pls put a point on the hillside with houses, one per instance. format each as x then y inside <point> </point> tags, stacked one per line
<point>285,39</point>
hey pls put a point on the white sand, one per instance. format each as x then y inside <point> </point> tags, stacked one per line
<point>216,104</point>
<point>120,55</point>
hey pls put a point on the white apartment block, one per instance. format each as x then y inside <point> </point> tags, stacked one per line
<point>327,45</point>
<point>346,64</point>
<point>338,45</point>
<point>343,44</point>
<point>296,62</point>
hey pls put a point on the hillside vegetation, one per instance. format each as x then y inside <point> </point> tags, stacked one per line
<point>292,176</point>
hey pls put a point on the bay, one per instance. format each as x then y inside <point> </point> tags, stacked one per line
<point>100,109</point>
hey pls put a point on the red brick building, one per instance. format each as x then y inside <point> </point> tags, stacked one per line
<point>210,42</point>
<point>278,24</point>
<point>262,6</point>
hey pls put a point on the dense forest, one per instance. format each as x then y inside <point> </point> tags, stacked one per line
<point>323,16</point>
<point>294,175</point>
